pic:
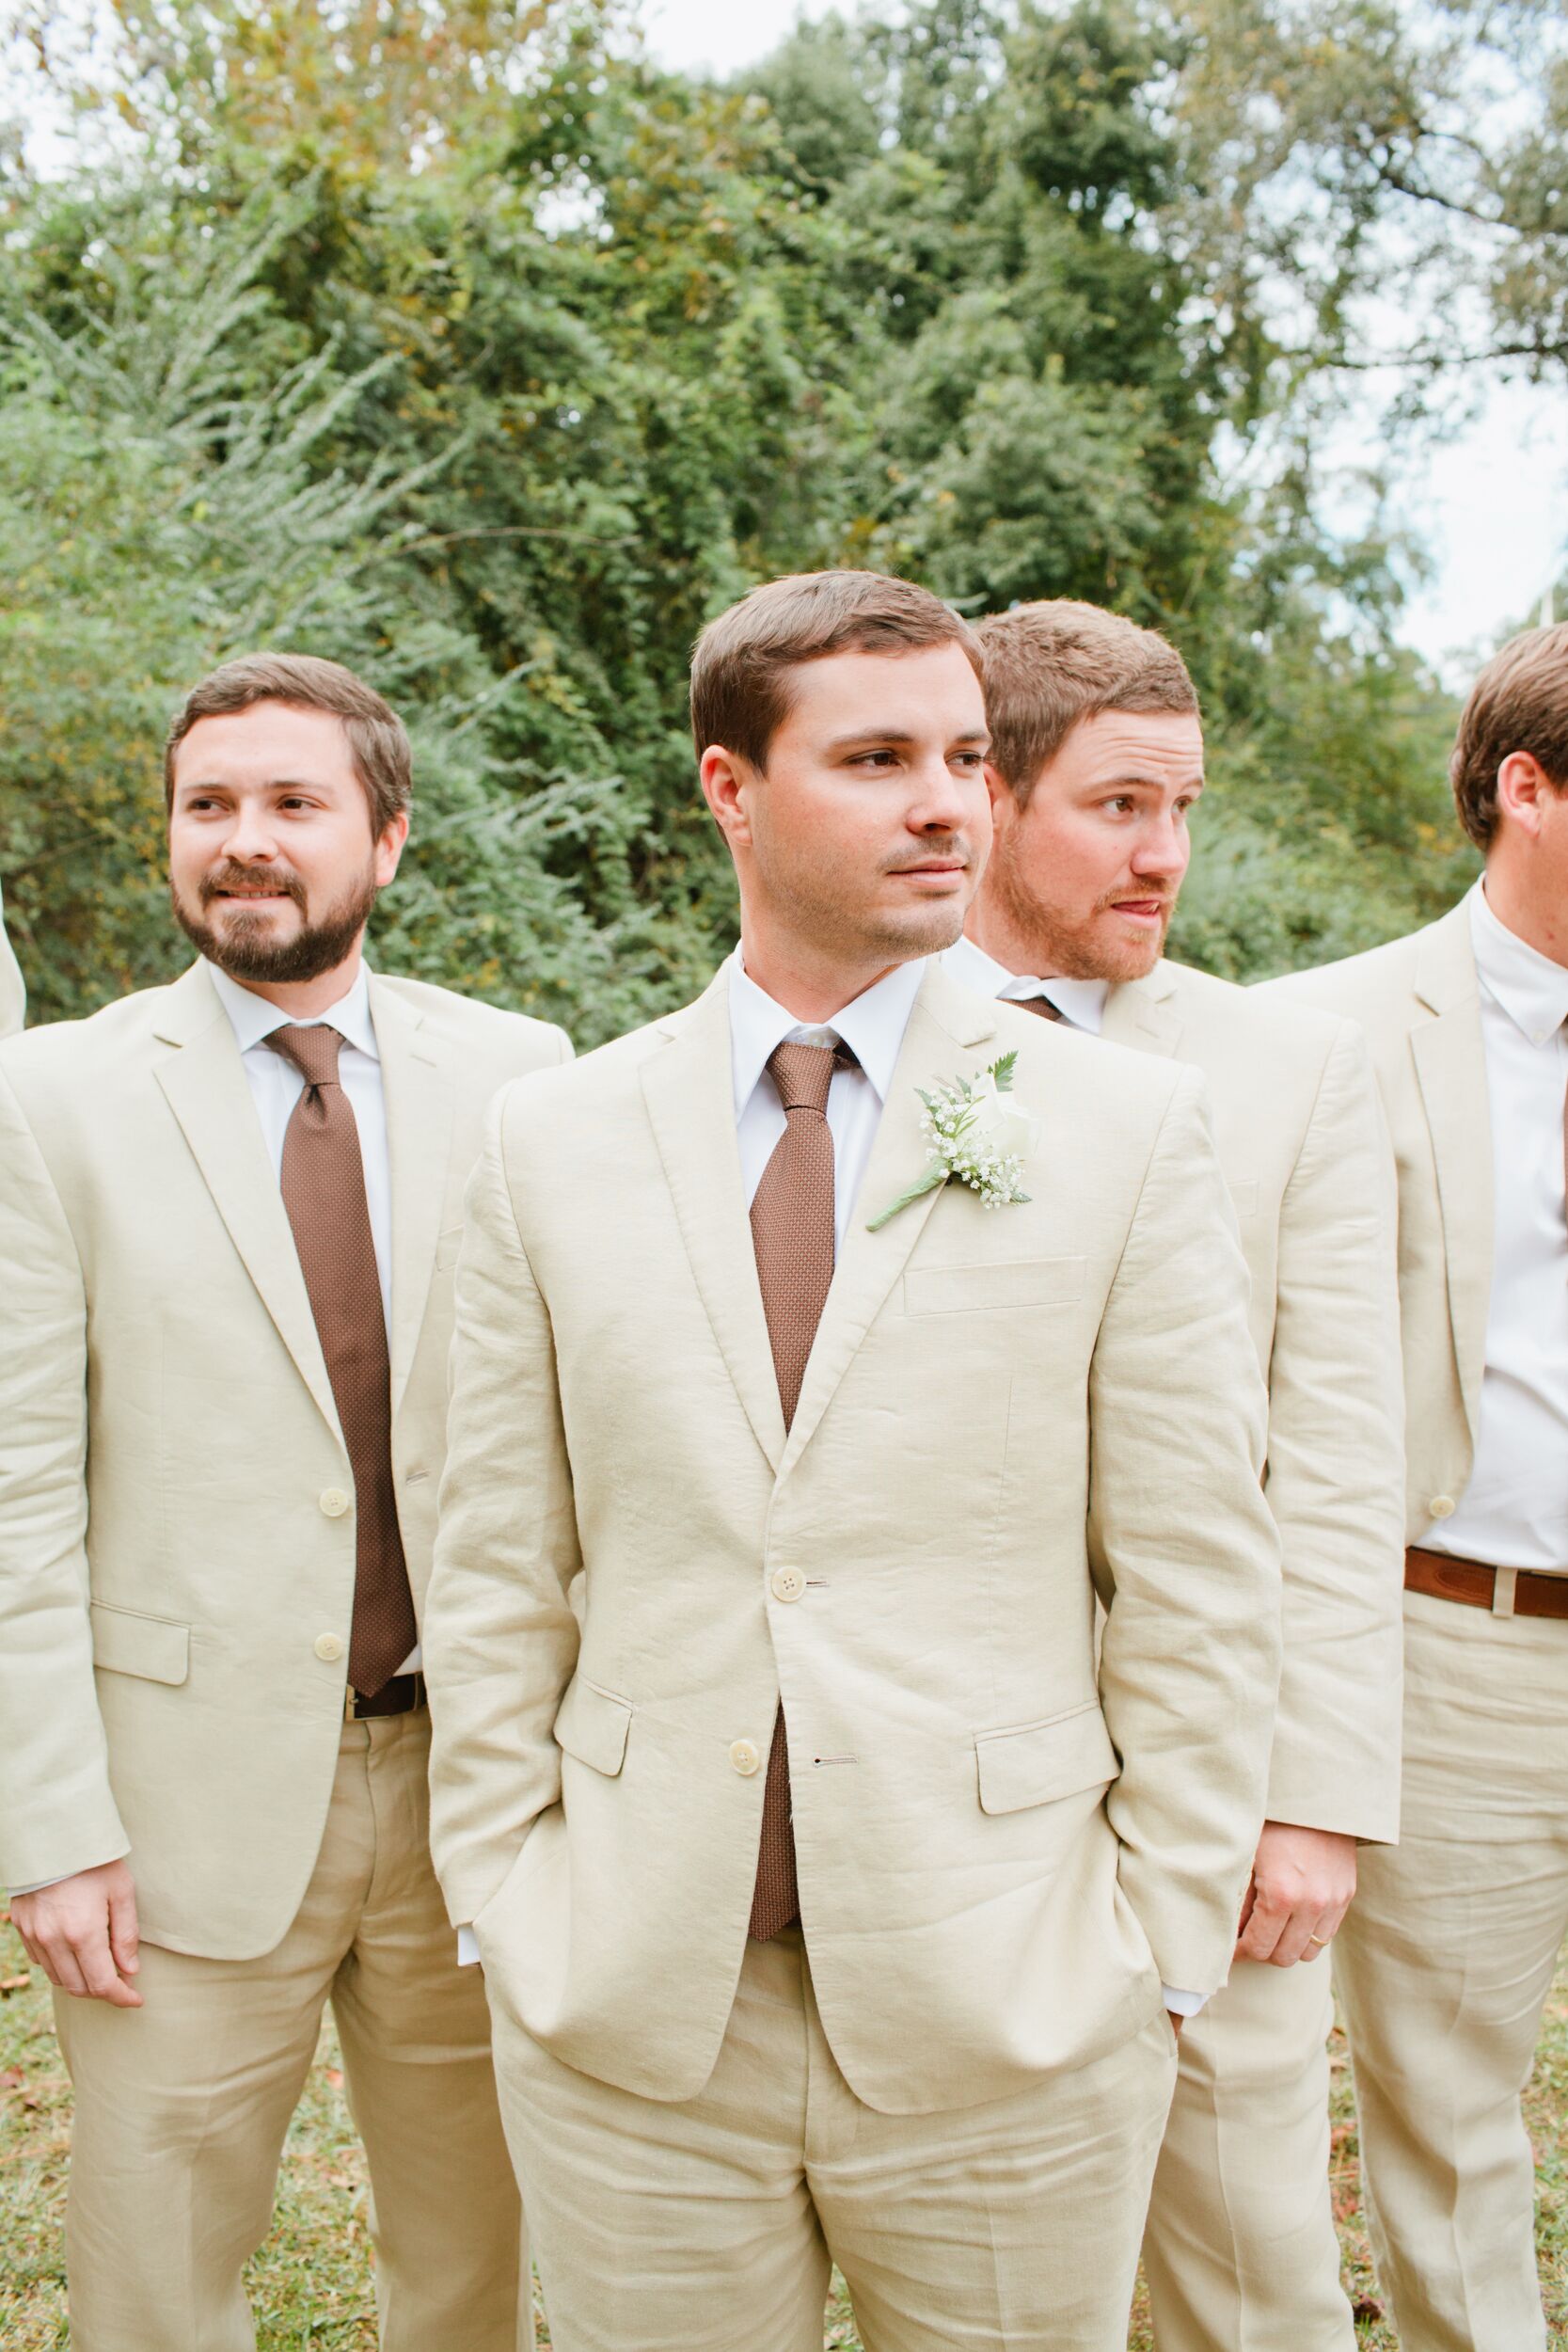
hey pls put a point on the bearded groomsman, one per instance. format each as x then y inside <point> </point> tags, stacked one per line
<point>1095,764</point>
<point>1450,1952</point>
<point>228,1214</point>
<point>13,997</point>
<point>825,1900</point>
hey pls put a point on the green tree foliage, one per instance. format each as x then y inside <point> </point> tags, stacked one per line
<point>498,387</point>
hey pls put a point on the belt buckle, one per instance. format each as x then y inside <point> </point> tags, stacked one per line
<point>351,1699</point>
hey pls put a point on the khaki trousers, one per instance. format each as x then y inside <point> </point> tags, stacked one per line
<point>710,2225</point>
<point>181,2106</point>
<point>1240,2252</point>
<point>1444,1965</point>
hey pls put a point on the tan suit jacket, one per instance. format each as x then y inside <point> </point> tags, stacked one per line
<point>999,1862</point>
<point>176,1547</point>
<point>1418,1002</point>
<point>1296,1122</point>
<point>13,995</point>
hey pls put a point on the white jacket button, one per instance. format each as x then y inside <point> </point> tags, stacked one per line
<point>334,1502</point>
<point>788,1584</point>
<point>330,1647</point>
<point>746,1756</point>
<point>1440,1507</point>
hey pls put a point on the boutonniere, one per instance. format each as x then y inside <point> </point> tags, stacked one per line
<point>978,1134</point>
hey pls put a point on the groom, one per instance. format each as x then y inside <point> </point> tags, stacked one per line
<point>824,1895</point>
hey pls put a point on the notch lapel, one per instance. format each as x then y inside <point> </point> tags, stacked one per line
<point>946,1023</point>
<point>419,1117</point>
<point>689,1091</point>
<point>1143,1013</point>
<point>205,1086</point>
<point>1450,1065</point>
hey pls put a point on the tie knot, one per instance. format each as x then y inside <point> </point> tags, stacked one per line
<point>313,1051</point>
<point>804,1074</point>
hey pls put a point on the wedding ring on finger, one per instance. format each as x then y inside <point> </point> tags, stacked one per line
<point>1322,1941</point>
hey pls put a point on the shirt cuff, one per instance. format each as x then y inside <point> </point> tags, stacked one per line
<point>468,1949</point>
<point>1182,2004</point>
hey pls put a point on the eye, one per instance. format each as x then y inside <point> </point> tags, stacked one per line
<point>1122,803</point>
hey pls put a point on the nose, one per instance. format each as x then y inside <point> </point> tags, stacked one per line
<point>941,803</point>
<point>249,840</point>
<point>1163,848</point>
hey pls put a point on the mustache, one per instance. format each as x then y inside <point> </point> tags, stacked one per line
<point>230,875</point>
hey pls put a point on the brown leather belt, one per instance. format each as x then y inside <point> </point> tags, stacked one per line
<point>400,1696</point>
<point>1474,1583</point>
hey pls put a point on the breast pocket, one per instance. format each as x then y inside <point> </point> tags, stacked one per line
<point>945,1290</point>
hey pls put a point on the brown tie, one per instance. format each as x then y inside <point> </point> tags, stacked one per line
<point>323,1192</point>
<point>1042,1005</point>
<point>792,1233</point>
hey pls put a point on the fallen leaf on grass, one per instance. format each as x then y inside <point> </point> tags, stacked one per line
<point>335,2076</point>
<point>14,1984</point>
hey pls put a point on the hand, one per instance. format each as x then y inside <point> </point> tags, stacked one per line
<point>83,1933</point>
<point>1302,1881</point>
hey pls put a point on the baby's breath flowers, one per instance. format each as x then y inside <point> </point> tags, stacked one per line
<point>978,1134</point>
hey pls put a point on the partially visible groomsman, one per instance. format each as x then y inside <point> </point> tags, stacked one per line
<point>826,1894</point>
<point>229,1215</point>
<point>1095,764</point>
<point>13,997</point>
<point>1448,1957</point>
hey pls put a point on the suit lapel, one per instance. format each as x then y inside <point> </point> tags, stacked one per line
<point>205,1084</point>
<point>1143,1013</point>
<point>689,1092</point>
<point>947,1024</point>
<point>1451,1067</point>
<point>419,1117</point>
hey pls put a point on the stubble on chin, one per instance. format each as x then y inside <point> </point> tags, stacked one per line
<point>1099,946</point>
<point>245,950</point>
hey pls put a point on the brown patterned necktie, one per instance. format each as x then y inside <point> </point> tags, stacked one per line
<point>323,1192</point>
<point>1042,1005</point>
<point>793,1234</point>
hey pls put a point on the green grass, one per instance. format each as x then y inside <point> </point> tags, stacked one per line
<point>311,2285</point>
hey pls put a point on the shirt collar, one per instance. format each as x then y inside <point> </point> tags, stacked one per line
<point>1529,986</point>
<point>1082,1001</point>
<point>872,1027</point>
<point>255,1018</point>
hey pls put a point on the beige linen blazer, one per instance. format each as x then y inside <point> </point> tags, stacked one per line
<point>13,997</point>
<point>999,1862</point>
<point>1418,1002</point>
<point>1300,1138</point>
<point>176,1547</point>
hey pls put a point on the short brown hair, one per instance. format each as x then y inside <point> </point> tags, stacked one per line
<point>1518,703</point>
<point>378,742</point>
<point>740,664</point>
<point>1051,665</point>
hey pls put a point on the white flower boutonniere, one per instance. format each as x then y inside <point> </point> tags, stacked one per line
<point>976,1133</point>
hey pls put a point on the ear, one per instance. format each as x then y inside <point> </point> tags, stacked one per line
<point>388,849</point>
<point>1002,805</point>
<point>727,781</point>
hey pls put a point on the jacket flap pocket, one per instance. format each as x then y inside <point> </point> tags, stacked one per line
<point>128,1642</point>
<point>939,1290</point>
<point>1036,1762</point>
<point>592,1726</point>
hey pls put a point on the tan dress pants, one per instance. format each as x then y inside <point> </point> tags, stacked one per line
<point>1444,1965</point>
<point>710,2225</point>
<point>181,2106</point>
<point>1240,2252</point>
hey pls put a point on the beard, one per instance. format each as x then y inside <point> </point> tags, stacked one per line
<point>244,948</point>
<point>823,903</point>
<point>1068,948</point>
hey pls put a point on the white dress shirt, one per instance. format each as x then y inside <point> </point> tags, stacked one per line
<point>1081,1003</point>
<point>1513,1512</point>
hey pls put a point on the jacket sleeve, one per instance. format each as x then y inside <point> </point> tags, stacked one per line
<point>57,1812</point>
<point>500,1640</point>
<point>1336,1478</point>
<point>1185,1556</point>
